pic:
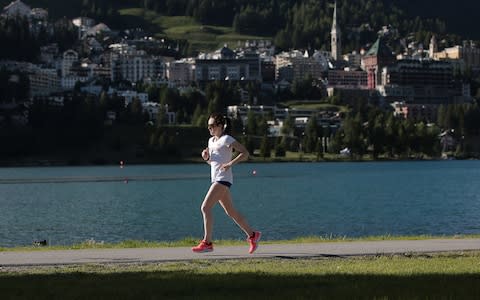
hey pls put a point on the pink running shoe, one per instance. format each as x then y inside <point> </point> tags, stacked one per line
<point>203,247</point>
<point>253,240</point>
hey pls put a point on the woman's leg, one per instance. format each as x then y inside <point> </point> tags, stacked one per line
<point>211,198</point>
<point>227,204</point>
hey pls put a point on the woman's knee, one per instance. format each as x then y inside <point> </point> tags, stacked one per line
<point>206,206</point>
<point>204,209</point>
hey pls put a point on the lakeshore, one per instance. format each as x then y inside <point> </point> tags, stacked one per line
<point>291,157</point>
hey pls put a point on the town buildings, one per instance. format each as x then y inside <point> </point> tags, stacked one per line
<point>181,72</point>
<point>128,63</point>
<point>347,78</point>
<point>295,65</point>
<point>17,8</point>
<point>225,64</point>
<point>378,56</point>
<point>37,17</point>
<point>468,53</point>
<point>421,79</point>
<point>430,81</point>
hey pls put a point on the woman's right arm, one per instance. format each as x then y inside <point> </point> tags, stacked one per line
<point>206,155</point>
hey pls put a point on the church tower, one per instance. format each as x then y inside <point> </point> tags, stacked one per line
<point>335,36</point>
<point>433,48</point>
<point>377,57</point>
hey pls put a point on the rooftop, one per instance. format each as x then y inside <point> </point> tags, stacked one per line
<point>380,48</point>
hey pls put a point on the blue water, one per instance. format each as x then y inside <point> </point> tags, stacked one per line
<point>66,205</point>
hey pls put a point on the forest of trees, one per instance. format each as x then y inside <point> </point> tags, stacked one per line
<point>21,44</point>
<point>365,130</point>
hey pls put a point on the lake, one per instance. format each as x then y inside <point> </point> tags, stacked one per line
<point>67,205</point>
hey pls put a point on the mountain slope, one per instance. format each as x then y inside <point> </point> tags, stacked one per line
<point>290,23</point>
<point>461,16</point>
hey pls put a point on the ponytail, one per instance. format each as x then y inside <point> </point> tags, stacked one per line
<point>227,127</point>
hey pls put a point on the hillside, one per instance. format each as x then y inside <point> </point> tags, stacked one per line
<point>462,19</point>
<point>207,24</point>
<point>199,36</point>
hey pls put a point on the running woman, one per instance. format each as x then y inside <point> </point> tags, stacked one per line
<point>218,155</point>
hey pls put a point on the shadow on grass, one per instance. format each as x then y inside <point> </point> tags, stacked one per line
<point>187,285</point>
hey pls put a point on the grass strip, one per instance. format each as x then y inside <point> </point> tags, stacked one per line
<point>436,276</point>
<point>190,241</point>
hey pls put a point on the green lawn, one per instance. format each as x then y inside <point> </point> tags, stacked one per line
<point>201,37</point>
<point>454,275</point>
<point>175,21</point>
<point>439,276</point>
<point>189,241</point>
<point>320,105</point>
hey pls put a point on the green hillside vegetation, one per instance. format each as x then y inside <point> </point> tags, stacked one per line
<point>199,36</point>
<point>290,24</point>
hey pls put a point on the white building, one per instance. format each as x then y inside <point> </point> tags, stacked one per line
<point>39,14</point>
<point>468,53</point>
<point>396,93</point>
<point>129,96</point>
<point>133,65</point>
<point>152,108</point>
<point>97,29</point>
<point>241,111</point>
<point>73,71</point>
<point>68,82</point>
<point>69,58</point>
<point>17,9</point>
<point>225,64</point>
<point>83,24</point>
<point>83,21</point>
<point>299,116</point>
<point>295,65</point>
<point>43,81</point>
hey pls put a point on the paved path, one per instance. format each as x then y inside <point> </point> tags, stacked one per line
<point>145,255</point>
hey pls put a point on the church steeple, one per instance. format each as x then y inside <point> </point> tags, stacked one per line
<point>335,36</point>
<point>433,48</point>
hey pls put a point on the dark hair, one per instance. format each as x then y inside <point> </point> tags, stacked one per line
<point>222,120</point>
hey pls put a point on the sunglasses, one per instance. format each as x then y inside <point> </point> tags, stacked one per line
<point>211,126</point>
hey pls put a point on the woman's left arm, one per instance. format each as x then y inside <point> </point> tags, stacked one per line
<point>242,154</point>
